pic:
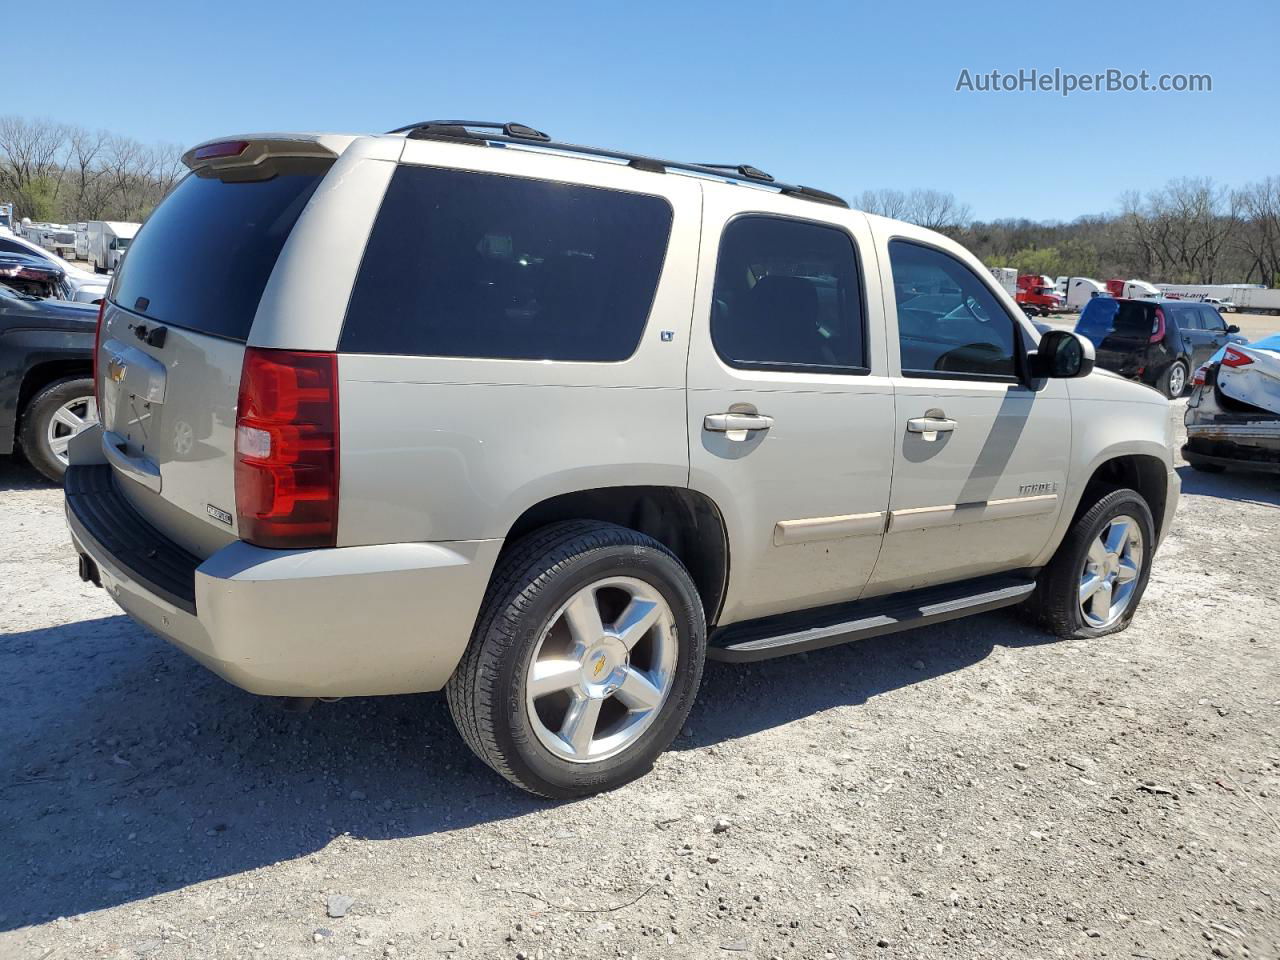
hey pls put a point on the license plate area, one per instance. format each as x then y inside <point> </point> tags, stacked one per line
<point>133,391</point>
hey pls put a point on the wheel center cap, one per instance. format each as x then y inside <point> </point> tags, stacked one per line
<point>603,667</point>
<point>599,666</point>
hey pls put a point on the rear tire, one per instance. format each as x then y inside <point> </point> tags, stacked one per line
<point>43,435</point>
<point>1057,601</point>
<point>1173,382</point>
<point>534,605</point>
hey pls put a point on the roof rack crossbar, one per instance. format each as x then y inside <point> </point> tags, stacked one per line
<point>521,135</point>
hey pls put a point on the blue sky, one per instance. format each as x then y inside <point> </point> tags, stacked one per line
<point>842,96</point>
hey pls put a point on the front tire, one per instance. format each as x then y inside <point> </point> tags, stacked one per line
<point>1096,579</point>
<point>55,414</point>
<point>585,660</point>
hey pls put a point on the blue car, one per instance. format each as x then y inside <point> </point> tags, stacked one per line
<point>1157,342</point>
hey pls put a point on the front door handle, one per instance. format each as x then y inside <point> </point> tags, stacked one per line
<point>736,425</point>
<point>931,424</point>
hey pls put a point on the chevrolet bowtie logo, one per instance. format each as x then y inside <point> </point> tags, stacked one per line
<point>116,369</point>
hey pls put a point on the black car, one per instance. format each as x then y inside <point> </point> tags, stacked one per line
<point>46,376</point>
<point>1159,342</point>
<point>32,275</point>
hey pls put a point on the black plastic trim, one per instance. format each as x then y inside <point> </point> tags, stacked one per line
<point>104,521</point>
<point>456,131</point>
<point>806,630</point>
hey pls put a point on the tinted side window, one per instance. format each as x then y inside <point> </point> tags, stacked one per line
<point>949,322</point>
<point>787,296</point>
<point>466,264</point>
<point>1211,319</point>
<point>1185,315</point>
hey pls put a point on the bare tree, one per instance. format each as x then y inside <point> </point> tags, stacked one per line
<point>885,203</point>
<point>937,210</point>
<point>83,150</point>
<point>1258,239</point>
<point>31,162</point>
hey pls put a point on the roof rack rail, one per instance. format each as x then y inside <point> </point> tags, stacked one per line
<point>520,134</point>
<point>745,169</point>
<point>451,129</point>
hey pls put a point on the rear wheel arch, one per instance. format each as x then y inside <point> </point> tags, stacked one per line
<point>686,522</point>
<point>41,375</point>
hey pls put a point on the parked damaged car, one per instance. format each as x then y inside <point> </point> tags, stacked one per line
<point>1233,415</point>
<point>34,277</point>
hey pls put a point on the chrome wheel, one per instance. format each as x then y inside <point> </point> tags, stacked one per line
<point>73,417</point>
<point>602,670</point>
<point>1110,574</point>
<point>1177,380</point>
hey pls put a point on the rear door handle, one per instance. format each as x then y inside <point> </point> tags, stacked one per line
<point>736,423</point>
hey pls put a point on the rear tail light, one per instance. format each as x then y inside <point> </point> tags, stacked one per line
<point>287,449</point>
<point>1234,358</point>
<point>1157,327</point>
<point>1198,378</point>
<point>97,348</point>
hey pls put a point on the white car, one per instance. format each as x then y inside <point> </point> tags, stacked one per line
<point>1224,306</point>
<point>548,426</point>
<point>86,287</point>
<point>1233,416</point>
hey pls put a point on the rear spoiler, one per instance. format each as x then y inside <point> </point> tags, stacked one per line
<point>247,150</point>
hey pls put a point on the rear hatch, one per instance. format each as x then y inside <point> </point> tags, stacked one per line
<point>1121,332</point>
<point>173,340</point>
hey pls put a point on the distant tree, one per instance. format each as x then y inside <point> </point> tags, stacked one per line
<point>54,171</point>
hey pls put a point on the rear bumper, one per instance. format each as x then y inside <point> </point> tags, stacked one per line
<point>343,621</point>
<point>1241,451</point>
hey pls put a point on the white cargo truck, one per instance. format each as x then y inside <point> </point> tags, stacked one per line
<point>108,240</point>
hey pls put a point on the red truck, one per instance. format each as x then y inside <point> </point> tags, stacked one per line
<point>1039,293</point>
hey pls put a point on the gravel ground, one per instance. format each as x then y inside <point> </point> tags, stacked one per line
<point>974,789</point>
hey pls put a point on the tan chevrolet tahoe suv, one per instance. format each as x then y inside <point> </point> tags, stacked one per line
<point>544,426</point>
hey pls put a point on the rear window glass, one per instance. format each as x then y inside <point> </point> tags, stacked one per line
<point>1134,319</point>
<point>202,259</point>
<point>466,264</point>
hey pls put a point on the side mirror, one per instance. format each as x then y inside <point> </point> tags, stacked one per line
<point>1062,355</point>
<point>1233,328</point>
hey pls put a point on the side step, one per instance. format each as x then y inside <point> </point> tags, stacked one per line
<point>790,633</point>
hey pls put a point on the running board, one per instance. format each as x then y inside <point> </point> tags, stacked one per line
<point>827,626</point>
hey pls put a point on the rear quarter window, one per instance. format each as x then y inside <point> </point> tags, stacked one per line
<point>203,258</point>
<point>463,264</point>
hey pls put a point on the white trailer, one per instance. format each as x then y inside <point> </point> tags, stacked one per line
<point>82,241</point>
<point>108,240</point>
<point>1141,290</point>
<point>1247,297</point>
<point>1080,290</point>
<point>1007,277</point>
